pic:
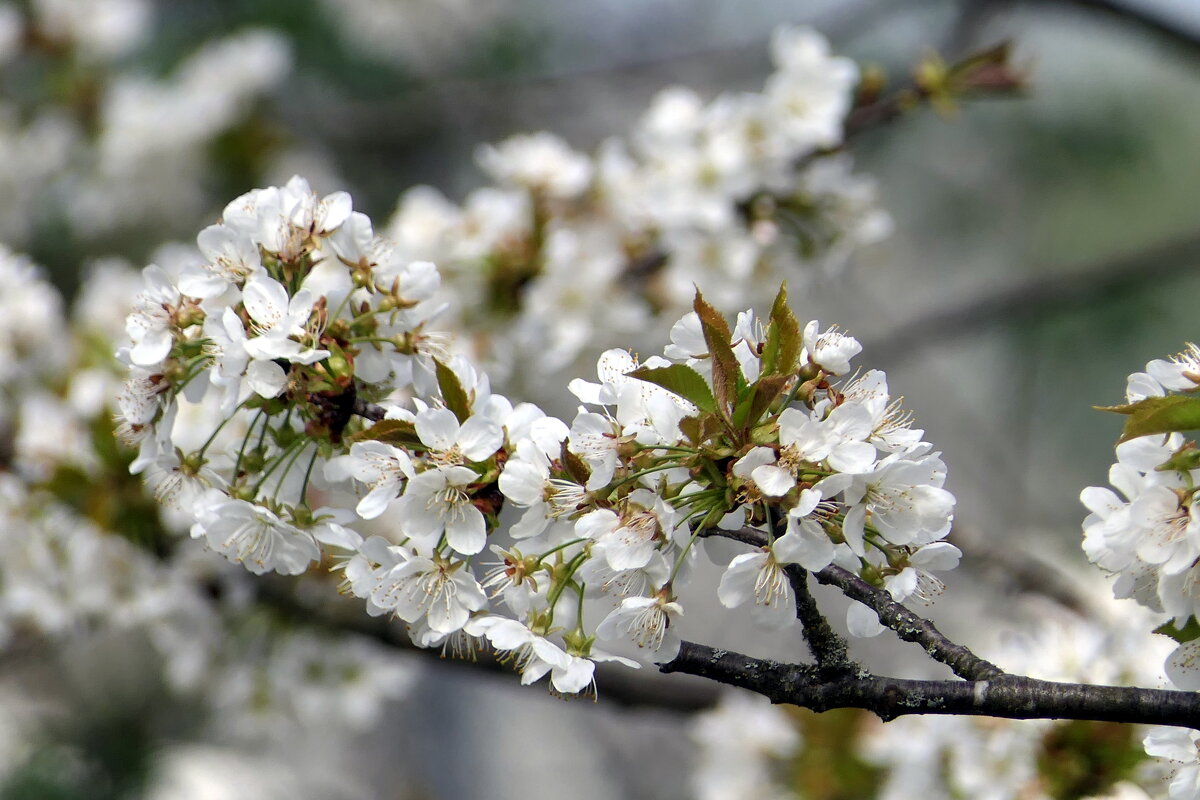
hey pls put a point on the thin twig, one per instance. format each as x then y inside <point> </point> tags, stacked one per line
<point>828,648</point>
<point>908,626</point>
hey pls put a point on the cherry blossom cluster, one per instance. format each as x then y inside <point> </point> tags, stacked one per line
<point>288,392</point>
<point>570,251</point>
<point>1149,534</point>
<point>78,560</point>
<point>27,355</point>
<point>62,575</point>
<point>422,35</point>
<point>65,579</point>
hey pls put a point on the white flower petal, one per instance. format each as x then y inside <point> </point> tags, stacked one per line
<point>467,533</point>
<point>479,438</point>
<point>773,481</point>
<point>862,621</point>
<point>437,428</point>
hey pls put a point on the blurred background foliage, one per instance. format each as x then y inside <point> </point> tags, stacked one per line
<point>1044,248</point>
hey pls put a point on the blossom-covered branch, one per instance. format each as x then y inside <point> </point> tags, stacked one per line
<point>302,319</point>
<point>294,393</point>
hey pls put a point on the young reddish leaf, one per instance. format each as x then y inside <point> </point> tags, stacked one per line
<point>692,429</point>
<point>453,393</point>
<point>725,367</point>
<point>681,380</point>
<point>711,317</point>
<point>710,426</point>
<point>784,338</point>
<point>1159,415</point>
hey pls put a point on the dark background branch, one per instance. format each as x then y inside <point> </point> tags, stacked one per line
<point>617,685</point>
<point>1157,23</point>
<point>1053,291</point>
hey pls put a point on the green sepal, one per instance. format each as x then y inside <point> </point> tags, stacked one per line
<point>269,405</point>
<point>679,379</point>
<point>1153,415</point>
<point>453,394</point>
<point>284,436</point>
<point>712,518</point>
<point>1187,633</point>
<point>1185,459</point>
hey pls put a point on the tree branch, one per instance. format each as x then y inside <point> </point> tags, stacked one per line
<point>1148,20</point>
<point>1011,697</point>
<point>908,626</point>
<point>827,647</point>
<point>812,686</point>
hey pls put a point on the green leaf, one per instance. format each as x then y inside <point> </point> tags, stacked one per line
<point>453,393</point>
<point>784,339</point>
<point>1159,415</point>
<point>681,380</point>
<point>1189,631</point>
<point>390,431</point>
<point>764,391</point>
<point>692,430</point>
<point>725,367</point>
